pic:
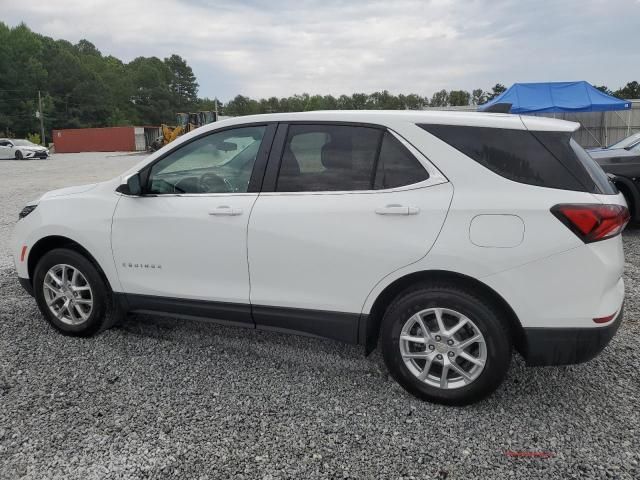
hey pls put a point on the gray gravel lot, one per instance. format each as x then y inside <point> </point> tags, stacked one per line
<point>163,398</point>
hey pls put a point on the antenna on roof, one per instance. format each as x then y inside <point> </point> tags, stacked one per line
<point>499,108</point>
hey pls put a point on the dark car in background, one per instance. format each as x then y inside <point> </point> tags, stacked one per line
<point>621,161</point>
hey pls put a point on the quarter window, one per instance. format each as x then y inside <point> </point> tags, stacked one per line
<point>344,158</point>
<point>545,159</point>
<point>397,166</point>
<point>513,154</point>
<point>218,163</point>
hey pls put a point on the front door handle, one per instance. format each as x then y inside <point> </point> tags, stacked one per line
<point>226,210</point>
<point>396,209</point>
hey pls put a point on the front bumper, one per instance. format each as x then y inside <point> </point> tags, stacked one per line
<point>565,346</point>
<point>36,154</point>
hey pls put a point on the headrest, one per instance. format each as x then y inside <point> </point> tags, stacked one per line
<point>337,153</point>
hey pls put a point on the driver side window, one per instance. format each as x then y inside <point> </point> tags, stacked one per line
<point>218,163</point>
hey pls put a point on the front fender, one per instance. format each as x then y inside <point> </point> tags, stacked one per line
<point>84,219</point>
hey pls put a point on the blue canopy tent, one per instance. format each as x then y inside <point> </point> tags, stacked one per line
<point>557,97</point>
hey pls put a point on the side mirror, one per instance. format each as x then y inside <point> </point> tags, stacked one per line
<point>133,187</point>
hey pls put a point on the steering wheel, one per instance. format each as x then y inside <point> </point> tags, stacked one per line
<point>184,185</point>
<point>212,183</point>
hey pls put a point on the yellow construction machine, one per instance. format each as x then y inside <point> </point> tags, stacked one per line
<point>185,122</point>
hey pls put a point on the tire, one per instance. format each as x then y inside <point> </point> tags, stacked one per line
<point>454,305</point>
<point>19,155</point>
<point>103,312</point>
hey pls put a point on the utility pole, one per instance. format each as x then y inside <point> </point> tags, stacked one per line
<point>44,144</point>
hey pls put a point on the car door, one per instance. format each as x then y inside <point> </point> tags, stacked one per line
<point>182,245</point>
<point>348,205</point>
<point>6,149</point>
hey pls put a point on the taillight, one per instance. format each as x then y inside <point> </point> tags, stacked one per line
<point>592,222</point>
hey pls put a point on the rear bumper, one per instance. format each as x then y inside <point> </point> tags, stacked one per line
<point>564,346</point>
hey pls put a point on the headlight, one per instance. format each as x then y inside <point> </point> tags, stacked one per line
<point>26,211</point>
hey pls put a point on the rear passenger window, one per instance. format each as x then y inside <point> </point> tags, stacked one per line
<point>397,167</point>
<point>345,158</point>
<point>514,154</point>
<point>328,158</point>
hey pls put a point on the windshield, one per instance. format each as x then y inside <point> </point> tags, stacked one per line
<point>627,142</point>
<point>23,143</point>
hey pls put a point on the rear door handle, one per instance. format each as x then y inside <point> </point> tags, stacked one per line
<point>226,210</point>
<point>397,209</point>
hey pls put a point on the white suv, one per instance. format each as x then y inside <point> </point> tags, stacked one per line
<point>448,238</point>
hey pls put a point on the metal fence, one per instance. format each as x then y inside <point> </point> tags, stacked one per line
<point>596,128</point>
<point>603,128</point>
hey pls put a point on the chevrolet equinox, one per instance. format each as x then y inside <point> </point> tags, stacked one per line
<point>447,238</point>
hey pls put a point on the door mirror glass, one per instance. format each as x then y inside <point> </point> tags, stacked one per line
<point>132,187</point>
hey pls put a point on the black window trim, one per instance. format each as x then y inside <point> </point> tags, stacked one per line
<point>257,174</point>
<point>275,160</point>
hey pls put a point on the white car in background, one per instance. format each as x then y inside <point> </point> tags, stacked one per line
<point>21,149</point>
<point>446,238</point>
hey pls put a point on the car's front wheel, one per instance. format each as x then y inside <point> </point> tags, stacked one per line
<point>445,344</point>
<point>72,294</point>
<point>19,155</point>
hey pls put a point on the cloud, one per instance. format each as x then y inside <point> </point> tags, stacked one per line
<point>281,47</point>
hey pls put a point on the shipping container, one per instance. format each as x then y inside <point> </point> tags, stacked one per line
<point>108,139</point>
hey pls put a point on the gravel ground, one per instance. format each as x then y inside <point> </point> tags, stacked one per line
<point>163,398</point>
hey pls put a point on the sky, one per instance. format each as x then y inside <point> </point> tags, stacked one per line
<point>263,48</point>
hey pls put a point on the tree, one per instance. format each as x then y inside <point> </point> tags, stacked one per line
<point>241,105</point>
<point>85,47</point>
<point>82,88</point>
<point>496,90</point>
<point>359,101</point>
<point>630,91</point>
<point>412,101</point>
<point>603,89</point>
<point>478,97</point>
<point>440,99</point>
<point>182,82</point>
<point>459,97</point>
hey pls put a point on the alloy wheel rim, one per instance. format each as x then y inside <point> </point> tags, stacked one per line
<point>68,294</point>
<point>443,348</point>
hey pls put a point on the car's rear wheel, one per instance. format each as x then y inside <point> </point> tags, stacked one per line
<point>18,155</point>
<point>72,295</point>
<point>445,344</point>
